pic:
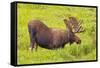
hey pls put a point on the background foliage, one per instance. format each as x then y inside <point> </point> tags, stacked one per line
<point>53,16</point>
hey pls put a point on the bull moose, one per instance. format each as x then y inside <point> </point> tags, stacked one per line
<point>51,38</point>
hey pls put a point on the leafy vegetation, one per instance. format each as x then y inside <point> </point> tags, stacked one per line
<point>53,16</point>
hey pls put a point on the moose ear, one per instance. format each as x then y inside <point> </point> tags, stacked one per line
<point>68,25</point>
<point>65,20</point>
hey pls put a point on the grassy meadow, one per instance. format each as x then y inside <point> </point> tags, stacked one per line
<point>52,16</point>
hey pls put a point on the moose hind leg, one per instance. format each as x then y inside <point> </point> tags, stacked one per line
<point>32,45</point>
<point>32,37</point>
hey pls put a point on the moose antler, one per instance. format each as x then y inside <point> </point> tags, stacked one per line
<point>76,26</point>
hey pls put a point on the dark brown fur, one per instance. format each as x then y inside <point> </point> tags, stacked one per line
<point>50,38</point>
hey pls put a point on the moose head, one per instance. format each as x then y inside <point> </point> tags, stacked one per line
<point>71,35</point>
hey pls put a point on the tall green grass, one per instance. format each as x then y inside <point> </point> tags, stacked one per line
<point>52,16</point>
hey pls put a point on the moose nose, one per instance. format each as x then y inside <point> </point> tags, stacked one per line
<point>79,42</point>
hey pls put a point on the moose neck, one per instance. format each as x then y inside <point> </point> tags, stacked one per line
<point>70,38</point>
